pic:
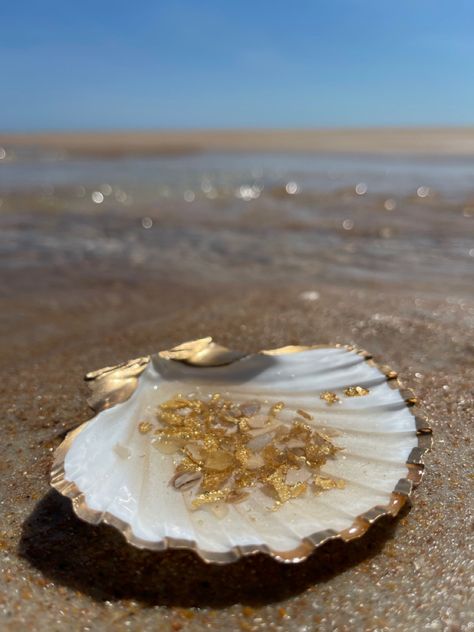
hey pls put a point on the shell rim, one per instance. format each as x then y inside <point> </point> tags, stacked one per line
<point>124,387</point>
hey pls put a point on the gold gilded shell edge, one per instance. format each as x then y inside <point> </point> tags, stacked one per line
<point>116,384</point>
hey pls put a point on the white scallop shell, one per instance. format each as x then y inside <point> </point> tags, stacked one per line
<point>114,474</point>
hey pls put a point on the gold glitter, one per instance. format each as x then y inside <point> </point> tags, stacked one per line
<point>317,453</point>
<point>188,465</point>
<point>242,454</point>
<point>212,481</point>
<point>244,426</point>
<point>209,497</point>
<point>244,478</point>
<point>144,427</point>
<point>226,449</point>
<point>276,408</point>
<point>356,391</point>
<point>329,397</point>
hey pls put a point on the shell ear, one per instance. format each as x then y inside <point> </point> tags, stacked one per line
<point>202,352</point>
<point>114,384</point>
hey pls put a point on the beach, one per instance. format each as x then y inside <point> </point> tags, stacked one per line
<point>448,141</point>
<point>115,246</point>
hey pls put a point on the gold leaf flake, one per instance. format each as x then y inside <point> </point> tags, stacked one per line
<point>284,490</point>
<point>165,447</point>
<point>324,483</point>
<point>218,460</point>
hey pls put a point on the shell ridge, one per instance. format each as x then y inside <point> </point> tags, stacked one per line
<point>364,485</point>
<point>108,470</point>
<point>284,525</point>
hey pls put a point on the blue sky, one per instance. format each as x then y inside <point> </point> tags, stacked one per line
<point>202,63</point>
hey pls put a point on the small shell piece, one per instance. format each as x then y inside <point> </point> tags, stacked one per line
<point>183,481</point>
<point>229,454</point>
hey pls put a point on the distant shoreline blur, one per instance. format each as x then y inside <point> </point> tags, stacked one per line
<point>376,141</point>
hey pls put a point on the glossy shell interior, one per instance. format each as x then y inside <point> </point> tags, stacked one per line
<point>113,473</point>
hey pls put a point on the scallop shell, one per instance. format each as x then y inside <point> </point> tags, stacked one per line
<point>111,470</point>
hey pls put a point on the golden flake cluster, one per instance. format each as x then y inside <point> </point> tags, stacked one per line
<point>351,391</point>
<point>329,397</point>
<point>226,449</point>
<point>144,427</point>
<point>356,391</point>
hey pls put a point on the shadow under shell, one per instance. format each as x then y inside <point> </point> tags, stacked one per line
<point>97,561</point>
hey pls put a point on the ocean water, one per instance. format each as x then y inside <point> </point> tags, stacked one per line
<point>149,176</point>
<point>344,219</point>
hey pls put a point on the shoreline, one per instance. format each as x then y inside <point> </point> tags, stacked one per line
<point>446,142</point>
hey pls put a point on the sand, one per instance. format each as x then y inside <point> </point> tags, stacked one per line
<point>63,314</point>
<point>385,141</point>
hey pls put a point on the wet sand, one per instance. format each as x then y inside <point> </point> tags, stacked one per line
<point>81,290</point>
